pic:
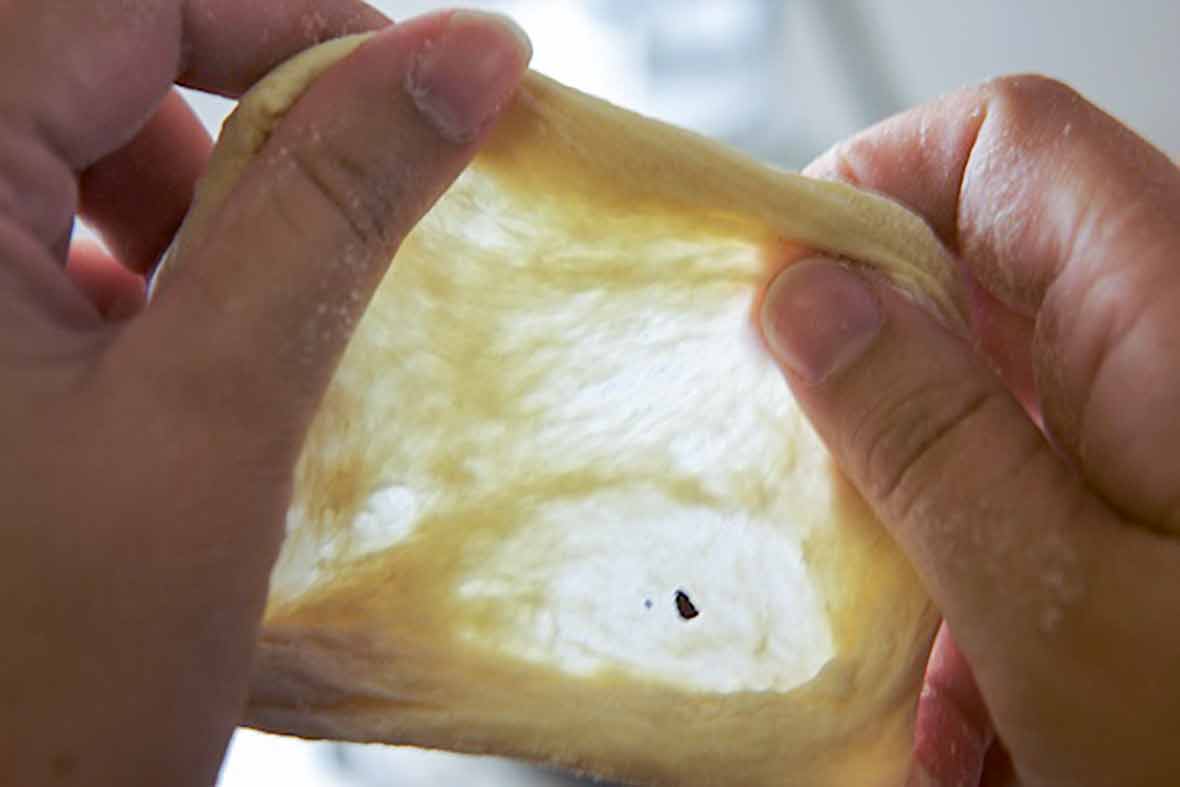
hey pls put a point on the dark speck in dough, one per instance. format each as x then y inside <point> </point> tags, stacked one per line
<point>685,607</point>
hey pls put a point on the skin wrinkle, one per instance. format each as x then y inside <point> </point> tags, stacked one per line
<point>1114,343</point>
<point>903,417</point>
<point>1109,327</point>
<point>368,221</point>
<point>847,160</point>
<point>926,450</point>
<point>29,266</point>
<point>318,169</point>
<point>1104,323</point>
<point>963,175</point>
<point>1012,102</point>
<point>917,506</point>
<point>985,242</point>
<point>47,217</point>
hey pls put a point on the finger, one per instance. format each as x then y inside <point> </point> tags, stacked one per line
<point>1004,337</point>
<point>137,196</point>
<point>953,732</point>
<point>115,292</point>
<point>62,114</point>
<point>289,262</point>
<point>926,432</point>
<point>945,456</point>
<point>1068,218</point>
<point>227,59</point>
<point>1030,569</point>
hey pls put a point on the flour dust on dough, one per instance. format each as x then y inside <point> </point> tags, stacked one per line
<point>558,502</point>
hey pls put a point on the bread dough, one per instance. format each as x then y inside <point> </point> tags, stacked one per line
<point>558,502</point>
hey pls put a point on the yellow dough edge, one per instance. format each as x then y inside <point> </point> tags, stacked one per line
<point>650,163</point>
<point>555,140</point>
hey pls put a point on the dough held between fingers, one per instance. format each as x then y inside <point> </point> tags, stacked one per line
<point>558,502</point>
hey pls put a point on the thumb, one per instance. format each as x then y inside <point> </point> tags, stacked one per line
<point>995,524</point>
<point>275,267</point>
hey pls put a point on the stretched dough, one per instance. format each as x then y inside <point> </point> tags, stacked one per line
<point>559,503</point>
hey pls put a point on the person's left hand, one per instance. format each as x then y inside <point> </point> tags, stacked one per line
<point>1026,466</point>
<point>147,453</point>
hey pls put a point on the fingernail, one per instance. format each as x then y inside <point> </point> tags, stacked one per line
<point>461,79</point>
<point>819,317</point>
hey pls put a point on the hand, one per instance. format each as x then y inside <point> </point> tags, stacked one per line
<point>148,453</point>
<point>1054,555</point>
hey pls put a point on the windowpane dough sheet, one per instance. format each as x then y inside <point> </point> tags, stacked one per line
<point>557,415</point>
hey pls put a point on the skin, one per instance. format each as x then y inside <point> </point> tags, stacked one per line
<point>1027,469</point>
<point>148,452</point>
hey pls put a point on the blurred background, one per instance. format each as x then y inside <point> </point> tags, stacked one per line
<point>782,79</point>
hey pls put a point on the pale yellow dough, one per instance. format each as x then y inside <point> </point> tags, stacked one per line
<point>556,415</point>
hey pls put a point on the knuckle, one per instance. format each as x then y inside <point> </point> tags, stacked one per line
<point>1032,91</point>
<point>333,180</point>
<point>1033,110</point>
<point>907,442</point>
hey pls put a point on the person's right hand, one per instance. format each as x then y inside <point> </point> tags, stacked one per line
<point>1054,556</point>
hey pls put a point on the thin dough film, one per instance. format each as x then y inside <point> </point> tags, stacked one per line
<point>558,502</point>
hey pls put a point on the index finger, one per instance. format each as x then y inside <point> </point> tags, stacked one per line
<point>82,77</point>
<point>1066,219</point>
